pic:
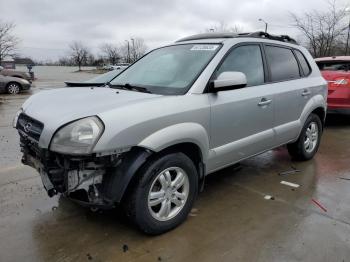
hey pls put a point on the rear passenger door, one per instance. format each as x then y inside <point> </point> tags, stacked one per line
<point>287,83</point>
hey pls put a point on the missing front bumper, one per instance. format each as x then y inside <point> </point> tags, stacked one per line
<point>80,179</point>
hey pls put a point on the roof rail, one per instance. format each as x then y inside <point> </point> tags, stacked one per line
<point>283,38</point>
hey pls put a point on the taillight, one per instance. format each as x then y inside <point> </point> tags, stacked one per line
<point>342,81</point>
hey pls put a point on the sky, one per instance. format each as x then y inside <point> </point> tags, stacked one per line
<point>47,27</point>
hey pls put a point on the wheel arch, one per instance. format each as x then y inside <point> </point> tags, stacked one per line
<point>18,76</point>
<point>119,182</point>
<point>321,113</point>
<point>179,134</point>
<point>316,105</point>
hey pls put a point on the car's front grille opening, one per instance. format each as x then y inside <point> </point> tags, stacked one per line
<point>29,126</point>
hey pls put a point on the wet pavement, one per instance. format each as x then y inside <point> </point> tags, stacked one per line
<point>231,220</point>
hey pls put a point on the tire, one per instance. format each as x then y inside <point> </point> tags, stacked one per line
<point>146,203</point>
<point>13,88</point>
<point>311,132</point>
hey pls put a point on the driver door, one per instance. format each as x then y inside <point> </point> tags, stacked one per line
<point>241,119</point>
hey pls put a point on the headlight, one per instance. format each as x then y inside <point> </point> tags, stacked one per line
<point>78,137</point>
<point>24,81</point>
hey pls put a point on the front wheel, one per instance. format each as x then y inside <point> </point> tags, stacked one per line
<point>309,140</point>
<point>164,193</point>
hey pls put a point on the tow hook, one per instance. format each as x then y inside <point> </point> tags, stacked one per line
<point>51,192</point>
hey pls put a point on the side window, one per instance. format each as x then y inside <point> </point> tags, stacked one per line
<point>282,62</point>
<point>303,62</point>
<point>246,59</point>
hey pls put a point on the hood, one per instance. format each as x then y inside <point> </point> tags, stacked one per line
<point>72,103</point>
<point>57,107</point>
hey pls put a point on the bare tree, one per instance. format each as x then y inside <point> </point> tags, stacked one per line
<point>79,53</point>
<point>131,50</point>
<point>222,27</point>
<point>112,53</point>
<point>322,30</point>
<point>8,41</point>
<point>138,48</point>
<point>64,61</point>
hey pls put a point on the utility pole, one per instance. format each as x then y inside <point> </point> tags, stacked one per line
<point>133,49</point>
<point>262,20</point>
<point>128,57</point>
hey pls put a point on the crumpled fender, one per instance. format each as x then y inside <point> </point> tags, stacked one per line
<point>117,179</point>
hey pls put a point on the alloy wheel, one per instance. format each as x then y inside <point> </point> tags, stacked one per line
<point>168,193</point>
<point>311,137</point>
<point>13,89</point>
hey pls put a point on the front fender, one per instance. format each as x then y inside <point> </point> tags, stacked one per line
<point>176,134</point>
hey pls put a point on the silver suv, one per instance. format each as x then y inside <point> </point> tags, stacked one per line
<point>181,112</point>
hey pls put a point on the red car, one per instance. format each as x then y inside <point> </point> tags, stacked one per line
<point>336,70</point>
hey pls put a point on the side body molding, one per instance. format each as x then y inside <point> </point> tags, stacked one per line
<point>179,133</point>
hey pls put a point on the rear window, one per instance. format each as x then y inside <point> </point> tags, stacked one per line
<point>282,62</point>
<point>333,65</point>
<point>304,64</point>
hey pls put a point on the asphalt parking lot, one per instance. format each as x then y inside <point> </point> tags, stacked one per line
<point>231,220</point>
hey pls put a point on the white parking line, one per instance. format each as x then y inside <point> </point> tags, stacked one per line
<point>290,184</point>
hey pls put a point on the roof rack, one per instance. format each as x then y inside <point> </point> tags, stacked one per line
<point>282,38</point>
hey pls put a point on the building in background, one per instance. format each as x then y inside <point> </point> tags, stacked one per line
<point>8,63</point>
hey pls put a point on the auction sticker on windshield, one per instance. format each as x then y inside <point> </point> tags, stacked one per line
<point>204,47</point>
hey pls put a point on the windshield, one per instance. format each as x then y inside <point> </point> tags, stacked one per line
<point>104,78</point>
<point>168,70</point>
<point>334,65</point>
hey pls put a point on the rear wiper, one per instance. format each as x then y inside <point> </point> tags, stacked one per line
<point>127,86</point>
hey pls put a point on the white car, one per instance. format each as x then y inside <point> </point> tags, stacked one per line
<point>120,66</point>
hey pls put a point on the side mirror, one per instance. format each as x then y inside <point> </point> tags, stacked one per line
<point>229,80</point>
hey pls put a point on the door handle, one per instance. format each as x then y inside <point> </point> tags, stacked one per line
<point>305,92</point>
<point>264,102</point>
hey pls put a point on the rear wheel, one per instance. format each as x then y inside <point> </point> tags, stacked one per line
<point>13,88</point>
<point>164,193</point>
<point>309,140</point>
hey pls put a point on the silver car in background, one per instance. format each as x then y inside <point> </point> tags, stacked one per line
<point>181,112</point>
<point>13,85</point>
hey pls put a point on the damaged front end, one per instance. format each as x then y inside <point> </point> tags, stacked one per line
<point>91,180</point>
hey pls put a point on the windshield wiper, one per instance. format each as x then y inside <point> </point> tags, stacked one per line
<point>127,86</point>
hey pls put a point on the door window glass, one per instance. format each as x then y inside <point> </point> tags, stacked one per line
<point>282,62</point>
<point>246,59</point>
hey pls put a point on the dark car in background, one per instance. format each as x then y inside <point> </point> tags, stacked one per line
<point>100,80</point>
<point>13,85</point>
